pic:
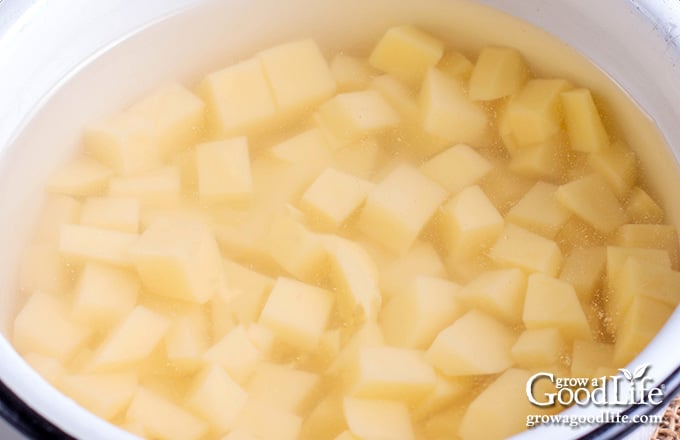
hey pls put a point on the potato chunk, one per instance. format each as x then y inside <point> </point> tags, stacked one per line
<point>643,321</point>
<point>473,344</point>
<point>81,177</point>
<point>583,121</point>
<point>456,167</point>
<point>238,99</point>
<point>553,303</point>
<point>534,115</point>
<point>298,75</point>
<point>224,170</point>
<point>378,419</point>
<point>103,245</point>
<point>297,313</point>
<point>583,269</point>
<point>509,387</point>
<point>333,198</point>
<point>293,388</point>
<point>413,319</point>
<point>178,258</point>
<point>265,421</point>
<point>498,292</point>
<point>447,113</point>
<point>106,395</point>
<point>539,211</point>
<point>186,341</point>
<point>163,419</point>
<point>217,398</point>
<point>406,52</point>
<point>399,207</point>
<point>650,236</point>
<point>641,208</point>
<point>117,213</point>
<point>131,341</point>
<point>392,373</point>
<point>42,326</point>
<point>43,269</point>
<point>533,253</point>
<point>469,223</point>
<point>350,73</point>
<point>348,116</point>
<point>160,187</point>
<point>618,166</point>
<point>590,199</point>
<point>538,348</point>
<point>104,295</point>
<point>499,72</point>
<point>398,275</point>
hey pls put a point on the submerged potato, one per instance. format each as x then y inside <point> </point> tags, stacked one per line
<point>382,247</point>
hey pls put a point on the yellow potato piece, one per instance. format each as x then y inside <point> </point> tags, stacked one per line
<point>583,121</point>
<point>498,72</point>
<point>591,200</point>
<point>369,418</point>
<point>529,251</point>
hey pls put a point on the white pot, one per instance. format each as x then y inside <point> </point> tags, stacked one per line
<point>68,62</point>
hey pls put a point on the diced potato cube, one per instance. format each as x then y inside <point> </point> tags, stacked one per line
<point>160,187</point>
<point>97,244</point>
<point>413,318</point>
<point>406,52</point>
<point>650,236</point>
<point>175,116</point>
<point>456,64</point>
<point>106,395</point>
<point>217,398</point>
<point>368,335</point>
<point>333,198</point>
<point>264,421</point>
<point>298,75</point>
<point>348,116</point>
<point>359,158</point>
<point>539,211</point>
<point>58,210</point>
<point>469,223</point>
<point>504,187</point>
<point>81,177</point>
<point>456,167</point>
<point>179,258</point>
<point>446,392</point>
<point>236,353</point>
<point>617,256</point>
<point>262,338</point>
<point>590,199</point>
<point>131,341</point>
<point>298,313</point>
<point>238,99</point>
<point>553,303</point>
<point>639,277</point>
<point>392,373</point>
<point>499,72</point>
<point>643,320</point>
<point>104,294</point>
<point>399,96</point>
<point>283,387</point>
<point>355,276</point>
<point>583,121</point>
<point>641,208</point>
<point>326,420</point>
<point>399,207</point>
<point>497,292</point>
<point>531,252</point>
<point>534,115</point>
<point>187,341</point>
<point>224,170</point>
<point>346,435</point>
<point>583,268</point>
<point>295,248</point>
<point>42,327</point>
<point>398,275</point>
<point>247,280</point>
<point>48,367</point>
<point>448,113</point>
<point>125,142</point>
<point>350,73</point>
<point>546,160</point>
<point>538,348</point>
<point>309,147</point>
<point>587,356</point>
<point>43,269</point>
<point>474,344</point>
<point>164,420</point>
<point>118,213</point>
<point>618,167</point>
<point>378,419</point>
<point>491,404</point>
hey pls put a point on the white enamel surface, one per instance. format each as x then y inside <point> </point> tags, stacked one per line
<point>41,48</point>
